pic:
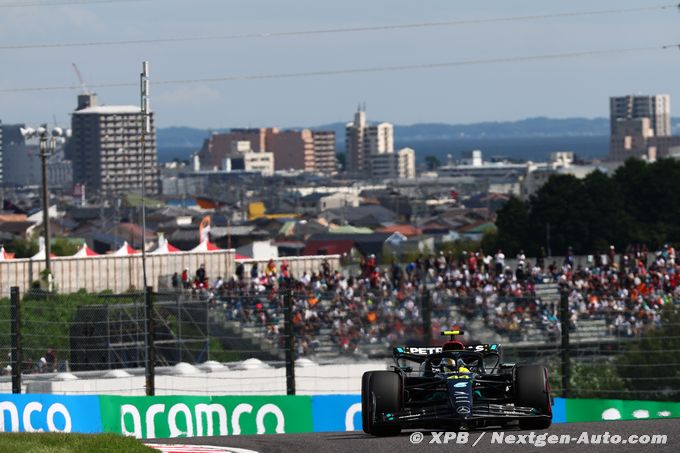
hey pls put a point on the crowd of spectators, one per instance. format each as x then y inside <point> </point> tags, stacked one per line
<point>384,304</point>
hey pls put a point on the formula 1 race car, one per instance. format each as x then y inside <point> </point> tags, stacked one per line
<point>454,387</point>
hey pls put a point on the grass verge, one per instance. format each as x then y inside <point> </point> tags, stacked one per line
<point>69,443</point>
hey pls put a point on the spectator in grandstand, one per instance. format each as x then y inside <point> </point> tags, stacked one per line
<point>51,360</point>
<point>240,271</point>
<point>500,262</point>
<point>201,276</point>
<point>383,306</point>
<point>185,278</point>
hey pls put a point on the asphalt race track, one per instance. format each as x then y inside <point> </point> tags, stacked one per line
<point>358,442</point>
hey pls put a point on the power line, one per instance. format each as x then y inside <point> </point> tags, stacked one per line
<point>420,25</point>
<point>374,69</point>
<point>63,3</point>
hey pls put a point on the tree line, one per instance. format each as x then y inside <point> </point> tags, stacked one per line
<point>637,205</point>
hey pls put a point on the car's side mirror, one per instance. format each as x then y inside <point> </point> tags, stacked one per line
<point>406,369</point>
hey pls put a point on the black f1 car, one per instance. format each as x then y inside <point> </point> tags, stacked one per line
<point>454,387</point>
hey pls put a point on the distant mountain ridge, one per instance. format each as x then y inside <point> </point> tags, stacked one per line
<point>180,142</point>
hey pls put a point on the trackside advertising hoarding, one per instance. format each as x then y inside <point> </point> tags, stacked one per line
<point>188,416</point>
<point>50,413</point>
<point>598,410</point>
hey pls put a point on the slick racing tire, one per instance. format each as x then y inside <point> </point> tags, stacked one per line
<point>532,390</point>
<point>381,392</point>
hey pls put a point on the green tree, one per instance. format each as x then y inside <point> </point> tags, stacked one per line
<point>649,365</point>
<point>650,198</point>
<point>559,206</point>
<point>23,248</point>
<point>432,162</point>
<point>64,247</point>
<point>592,379</point>
<point>512,221</point>
<point>605,212</point>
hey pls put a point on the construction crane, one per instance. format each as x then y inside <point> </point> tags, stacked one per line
<point>80,79</point>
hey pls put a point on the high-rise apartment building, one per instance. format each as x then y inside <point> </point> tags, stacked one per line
<point>324,152</point>
<point>395,165</point>
<point>363,140</point>
<point>106,148</point>
<point>641,128</point>
<point>355,133</point>
<point>657,108</point>
<point>292,150</point>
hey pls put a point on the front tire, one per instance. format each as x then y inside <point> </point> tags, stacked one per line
<point>381,392</point>
<point>532,390</point>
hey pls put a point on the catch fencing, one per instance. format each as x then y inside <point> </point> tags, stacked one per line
<point>47,341</point>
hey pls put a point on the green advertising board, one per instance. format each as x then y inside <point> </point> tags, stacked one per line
<point>188,416</point>
<point>587,410</point>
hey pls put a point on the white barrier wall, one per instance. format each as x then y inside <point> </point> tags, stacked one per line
<point>310,379</point>
<point>121,273</point>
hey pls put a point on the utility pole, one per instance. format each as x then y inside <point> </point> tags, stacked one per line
<point>427,317</point>
<point>146,129</point>
<point>47,145</point>
<point>565,348</point>
<point>148,300</point>
<point>16,359</point>
<point>289,341</point>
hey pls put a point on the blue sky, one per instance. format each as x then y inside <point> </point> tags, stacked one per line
<point>499,92</point>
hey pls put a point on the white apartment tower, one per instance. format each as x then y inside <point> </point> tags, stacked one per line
<point>363,141</point>
<point>355,133</point>
<point>106,148</point>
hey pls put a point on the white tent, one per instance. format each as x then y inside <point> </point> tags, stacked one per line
<point>164,247</point>
<point>125,250</point>
<point>85,252</point>
<point>205,246</point>
<point>41,251</point>
<point>4,256</point>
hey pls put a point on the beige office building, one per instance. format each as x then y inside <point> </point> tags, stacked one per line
<point>394,165</point>
<point>657,108</point>
<point>292,150</point>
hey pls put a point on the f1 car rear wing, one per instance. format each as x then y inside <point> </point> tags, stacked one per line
<point>425,351</point>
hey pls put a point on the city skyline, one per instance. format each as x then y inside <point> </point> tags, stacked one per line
<point>490,92</point>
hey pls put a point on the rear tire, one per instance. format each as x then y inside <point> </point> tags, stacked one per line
<point>381,392</point>
<point>532,390</point>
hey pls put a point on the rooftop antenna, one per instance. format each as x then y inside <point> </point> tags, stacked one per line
<point>80,79</point>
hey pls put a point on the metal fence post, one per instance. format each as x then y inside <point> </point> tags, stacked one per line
<point>290,343</point>
<point>427,317</point>
<point>207,328</point>
<point>16,339</point>
<point>179,329</point>
<point>149,343</point>
<point>565,348</point>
